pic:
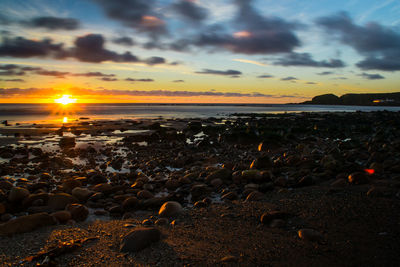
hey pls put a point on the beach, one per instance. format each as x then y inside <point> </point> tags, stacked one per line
<point>251,189</point>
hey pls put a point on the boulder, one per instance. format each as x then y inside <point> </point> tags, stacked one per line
<point>69,184</point>
<point>26,223</point>
<point>62,216</point>
<point>139,238</point>
<point>82,194</point>
<point>169,209</point>
<point>17,194</point>
<point>60,200</point>
<point>130,203</point>
<point>78,212</point>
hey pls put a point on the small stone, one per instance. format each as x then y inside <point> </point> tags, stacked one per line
<point>139,238</point>
<point>358,178</point>
<point>263,162</point>
<point>216,182</point>
<point>26,223</point>
<point>200,204</point>
<point>268,217</point>
<point>161,221</point>
<point>339,183</point>
<point>277,223</point>
<point>170,209</point>
<point>144,194</point>
<point>130,203</point>
<point>229,196</point>
<point>310,235</point>
<point>60,201</point>
<point>255,196</point>
<point>229,258</point>
<point>70,184</point>
<point>147,222</point>
<point>82,194</point>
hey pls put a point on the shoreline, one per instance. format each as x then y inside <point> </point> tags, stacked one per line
<point>302,171</point>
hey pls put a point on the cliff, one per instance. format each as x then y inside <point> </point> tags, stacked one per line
<point>380,99</point>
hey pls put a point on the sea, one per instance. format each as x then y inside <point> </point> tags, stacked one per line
<point>49,113</point>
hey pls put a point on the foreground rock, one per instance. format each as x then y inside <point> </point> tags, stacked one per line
<point>26,223</point>
<point>169,209</point>
<point>139,239</point>
<point>311,235</point>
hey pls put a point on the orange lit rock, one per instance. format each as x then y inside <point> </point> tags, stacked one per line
<point>169,209</point>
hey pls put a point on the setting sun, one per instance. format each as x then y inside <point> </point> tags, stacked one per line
<point>65,100</point>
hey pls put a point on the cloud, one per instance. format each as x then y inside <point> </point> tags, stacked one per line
<point>127,41</point>
<point>52,23</point>
<point>290,78</point>
<point>379,44</point>
<point>12,80</point>
<point>249,61</point>
<point>325,73</point>
<point>139,80</point>
<point>137,14</point>
<point>108,79</point>
<point>154,60</point>
<point>93,74</point>
<point>306,60</point>
<point>90,48</point>
<point>189,10</point>
<point>311,83</point>
<point>24,48</point>
<point>265,76</point>
<point>220,72</point>
<point>58,74</point>
<point>12,73</point>
<point>178,81</point>
<point>9,92</point>
<point>371,76</point>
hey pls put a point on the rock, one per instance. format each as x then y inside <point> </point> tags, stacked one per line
<point>60,200</point>
<point>130,203</point>
<point>223,174</point>
<point>139,238</point>
<point>104,188</point>
<point>216,183</point>
<point>82,194</point>
<point>379,192</point>
<point>62,216</point>
<point>172,184</point>
<point>277,223</point>
<point>358,178</point>
<point>5,185</point>
<point>97,178</point>
<point>78,212</point>
<point>6,217</point>
<point>2,208</point>
<point>339,183</point>
<point>32,198</point>
<point>162,221</point>
<point>116,209</point>
<point>305,181</point>
<point>268,217</point>
<point>17,194</point>
<point>67,142</point>
<point>169,209</point>
<point>229,196</point>
<point>70,184</point>
<point>26,223</point>
<point>144,194</point>
<point>255,196</point>
<point>310,235</point>
<point>199,204</point>
<point>263,162</point>
<point>229,258</point>
<point>199,191</point>
<point>251,175</point>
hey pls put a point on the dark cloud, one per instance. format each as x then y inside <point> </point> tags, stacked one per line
<point>108,79</point>
<point>290,78</point>
<point>93,74</point>
<point>58,74</point>
<point>127,41</point>
<point>24,48</point>
<point>13,80</point>
<point>138,14</point>
<point>220,72</point>
<point>325,73</point>
<point>12,73</point>
<point>190,10</point>
<point>371,76</point>
<point>9,67</point>
<point>90,48</point>
<point>265,76</point>
<point>139,80</point>
<point>154,60</point>
<point>306,60</point>
<point>178,81</point>
<point>379,44</point>
<point>311,83</point>
<point>53,23</point>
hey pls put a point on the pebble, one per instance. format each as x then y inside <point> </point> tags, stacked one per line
<point>17,194</point>
<point>170,209</point>
<point>78,212</point>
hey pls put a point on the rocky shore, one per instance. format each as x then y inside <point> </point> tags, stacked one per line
<point>306,189</point>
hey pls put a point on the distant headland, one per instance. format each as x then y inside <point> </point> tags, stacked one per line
<point>380,99</point>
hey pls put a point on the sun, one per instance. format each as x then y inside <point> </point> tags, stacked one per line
<point>65,100</point>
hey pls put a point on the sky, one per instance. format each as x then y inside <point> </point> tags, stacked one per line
<point>197,51</point>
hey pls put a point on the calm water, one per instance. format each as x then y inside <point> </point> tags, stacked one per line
<point>42,113</point>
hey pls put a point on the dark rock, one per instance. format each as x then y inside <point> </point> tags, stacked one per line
<point>358,178</point>
<point>60,200</point>
<point>67,142</point>
<point>17,194</point>
<point>229,196</point>
<point>26,223</point>
<point>130,203</point>
<point>255,196</point>
<point>82,194</point>
<point>78,212</point>
<point>139,238</point>
<point>268,217</point>
<point>62,216</point>
<point>310,235</point>
<point>263,162</point>
<point>199,191</point>
<point>170,209</point>
<point>144,194</point>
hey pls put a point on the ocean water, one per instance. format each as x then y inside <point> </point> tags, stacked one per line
<point>49,113</point>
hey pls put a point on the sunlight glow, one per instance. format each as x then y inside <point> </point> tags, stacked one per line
<point>65,119</point>
<point>65,100</point>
